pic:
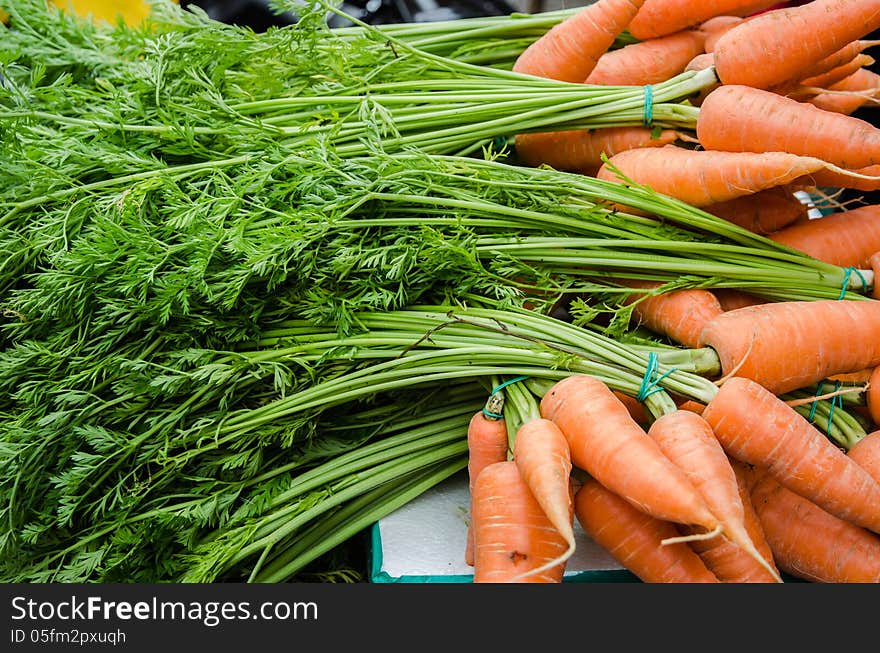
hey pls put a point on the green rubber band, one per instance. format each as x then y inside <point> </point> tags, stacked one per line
<point>846,276</point>
<point>491,415</point>
<point>648,117</point>
<point>815,403</point>
<point>834,401</point>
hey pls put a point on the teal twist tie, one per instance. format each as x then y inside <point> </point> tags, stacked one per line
<point>499,388</point>
<point>846,277</point>
<point>650,385</point>
<point>648,117</point>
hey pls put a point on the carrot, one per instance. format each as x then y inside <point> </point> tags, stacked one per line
<point>765,211</point>
<point>512,535</point>
<point>580,150</point>
<point>608,444</point>
<point>838,180</point>
<point>784,44</point>
<point>688,441</point>
<point>541,454</point>
<point>570,50</point>
<point>873,396</point>
<point>840,73</point>
<point>843,56</point>
<point>692,406</point>
<point>713,28</point>
<point>846,96</point>
<point>866,454</point>
<point>635,407</point>
<point>875,268</point>
<point>846,238</point>
<point>733,298</point>
<point>794,344</point>
<point>726,560</point>
<point>487,441</point>
<point>736,118</point>
<point>661,17</point>
<point>701,177</point>
<point>755,426</point>
<point>810,543</point>
<point>701,62</point>
<point>635,539</point>
<point>647,62</point>
<point>679,314</point>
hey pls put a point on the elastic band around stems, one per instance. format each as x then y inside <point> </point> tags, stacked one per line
<point>835,400</point>
<point>648,117</point>
<point>846,276</point>
<point>649,384</point>
<point>496,390</point>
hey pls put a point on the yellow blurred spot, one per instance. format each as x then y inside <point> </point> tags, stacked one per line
<point>132,11</point>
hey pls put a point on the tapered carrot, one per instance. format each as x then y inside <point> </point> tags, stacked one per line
<point>635,538</point>
<point>866,454</point>
<point>839,73</point>
<point>608,444</point>
<point>875,268</point>
<point>795,344</point>
<point>765,211</point>
<point>714,27</point>
<point>733,298</point>
<point>701,177</point>
<point>569,50</point>
<point>688,441</point>
<point>542,456</point>
<point>736,118</point>
<point>846,238</point>
<point>786,43</point>
<point>841,57</point>
<point>647,62</point>
<point>660,17</point>
<point>680,314</point>
<point>487,441</point>
<point>873,396</point>
<point>512,535</point>
<point>726,560</point>
<point>755,426</point>
<point>692,406</point>
<point>830,178</point>
<point>635,407</point>
<point>810,543</point>
<point>847,95</point>
<point>581,150</point>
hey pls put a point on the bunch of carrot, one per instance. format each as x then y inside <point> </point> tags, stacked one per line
<point>736,484</point>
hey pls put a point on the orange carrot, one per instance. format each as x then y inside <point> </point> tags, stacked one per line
<point>755,426</point>
<point>688,441</point>
<point>660,17</point>
<point>541,454</point>
<point>701,177</point>
<point>873,396</point>
<point>692,406</point>
<point>736,118</point>
<point>846,238</point>
<point>608,444</point>
<point>581,150</point>
<point>786,43</point>
<point>713,28</point>
<point>635,539</point>
<point>733,298</point>
<point>875,268</point>
<point>843,56</point>
<point>487,443</point>
<point>635,407</point>
<point>795,344</point>
<point>726,560</point>
<point>866,453</point>
<point>846,96</point>
<point>765,211</point>
<point>512,535</point>
<point>679,314</point>
<point>647,62</point>
<point>570,50</point>
<point>838,180</point>
<point>840,73</point>
<point>811,544</point>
